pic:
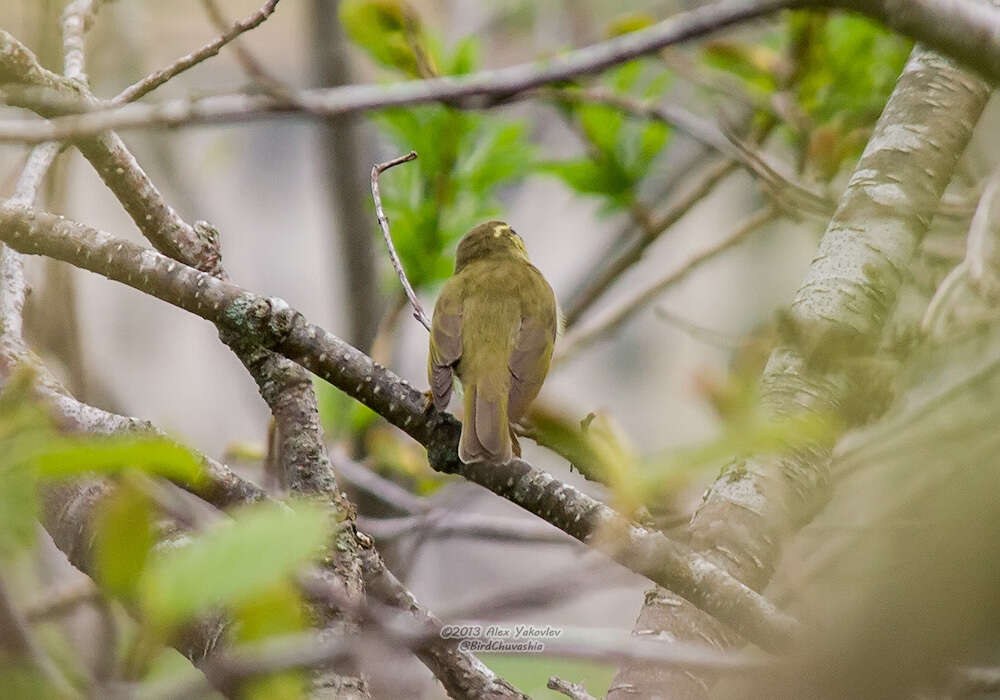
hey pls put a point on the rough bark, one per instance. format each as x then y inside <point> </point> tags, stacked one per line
<point>837,316</point>
<point>270,322</point>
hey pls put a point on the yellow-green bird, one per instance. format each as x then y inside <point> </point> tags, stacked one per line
<point>494,326</point>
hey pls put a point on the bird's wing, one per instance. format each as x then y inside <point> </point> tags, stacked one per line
<point>530,357</point>
<point>446,346</point>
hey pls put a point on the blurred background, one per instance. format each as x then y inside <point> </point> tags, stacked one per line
<point>291,200</point>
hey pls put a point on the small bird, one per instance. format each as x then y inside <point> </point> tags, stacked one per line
<point>494,326</point>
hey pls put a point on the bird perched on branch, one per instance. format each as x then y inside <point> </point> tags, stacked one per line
<point>494,326</point>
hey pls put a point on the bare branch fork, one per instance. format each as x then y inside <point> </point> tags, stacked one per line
<point>154,80</point>
<point>383,222</point>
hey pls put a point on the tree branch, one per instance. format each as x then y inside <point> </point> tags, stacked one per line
<point>154,80</point>
<point>76,21</point>
<point>571,690</point>
<point>383,222</point>
<point>596,284</point>
<point>468,525</point>
<point>582,338</point>
<point>272,323</point>
<point>838,310</point>
<point>964,29</point>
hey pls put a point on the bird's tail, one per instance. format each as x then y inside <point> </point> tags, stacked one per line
<point>485,430</point>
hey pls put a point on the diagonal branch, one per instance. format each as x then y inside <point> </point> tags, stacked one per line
<point>156,79</point>
<point>597,283</point>
<point>581,338</point>
<point>965,29</point>
<point>839,311</point>
<point>272,323</point>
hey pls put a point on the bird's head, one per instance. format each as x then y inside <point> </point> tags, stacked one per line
<point>494,238</point>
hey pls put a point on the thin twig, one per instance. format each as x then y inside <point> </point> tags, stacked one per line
<point>251,66</point>
<point>61,600</point>
<point>383,222</point>
<point>30,180</point>
<point>708,336</point>
<point>581,339</point>
<point>13,286</point>
<point>76,21</point>
<point>569,689</point>
<point>598,282</point>
<point>154,80</point>
<point>973,267</point>
<point>18,641</point>
<point>467,525</point>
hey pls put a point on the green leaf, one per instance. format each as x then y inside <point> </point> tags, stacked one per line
<point>389,30</point>
<point>602,125</point>
<point>18,508</point>
<point>276,611</point>
<point>589,177</point>
<point>342,416</point>
<point>757,64</point>
<point>124,538</point>
<point>464,57</point>
<point>234,562</point>
<point>71,457</point>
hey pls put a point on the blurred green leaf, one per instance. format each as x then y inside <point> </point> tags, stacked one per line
<point>587,176</point>
<point>758,64</point>
<point>23,683</point>
<point>620,150</point>
<point>18,508</point>
<point>750,435</point>
<point>530,673</point>
<point>124,538</point>
<point>233,562</point>
<point>68,457</point>
<point>389,30</point>
<point>342,416</point>
<point>628,23</point>
<point>275,611</point>
<point>850,68</point>
<point>465,158</point>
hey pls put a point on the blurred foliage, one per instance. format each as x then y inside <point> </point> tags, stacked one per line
<point>243,564</point>
<point>839,68</point>
<point>389,30</point>
<point>233,562</point>
<point>848,68</point>
<point>403,460</point>
<point>33,453</point>
<point>600,450</point>
<point>464,156</point>
<point>465,159</point>
<point>619,149</point>
<point>275,611</point>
